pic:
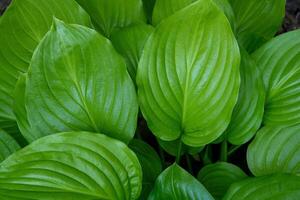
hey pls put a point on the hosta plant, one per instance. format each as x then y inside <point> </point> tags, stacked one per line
<point>148,99</point>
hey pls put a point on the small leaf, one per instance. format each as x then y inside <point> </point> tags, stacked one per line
<point>22,26</point>
<point>275,187</point>
<point>176,183</point>
<point>248,112</point>
<point>129,42</point>
<point>150,162</point>
<point>281,74</point>
<point>188,76</point>
<point>74,165</point>
<point>257,21</point>
<point>77,81</point>
<point>275,150</point>
<point>112,14</point>
<point>219,176</point>
<point>8,145</point>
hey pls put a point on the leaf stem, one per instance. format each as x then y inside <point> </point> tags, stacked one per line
<point>178,156</point>
<point>233,149</point>
<point>162,156</point>
<point>224,149</point>
<point>189,164</point>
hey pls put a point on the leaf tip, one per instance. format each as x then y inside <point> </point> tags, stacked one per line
<point>56,23</point>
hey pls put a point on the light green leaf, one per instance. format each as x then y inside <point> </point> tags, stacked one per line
<point>188,76</point>
<point>8,145</point>
<point>22,26</point>
<point>257,21</point>
<point>77,81</point>
<point>176,183</point>
<point>171,147</point>
<point>109,15</point>
<point>219,176</point>
<point>248,112</point>
<point>150,162</point>
<point>274,187</point>
<point>275,150</point>
<point>279,61</point>
<point>74,165</point>
<point>129,42</point>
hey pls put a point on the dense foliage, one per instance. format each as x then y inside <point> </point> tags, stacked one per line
<point>148,99</point>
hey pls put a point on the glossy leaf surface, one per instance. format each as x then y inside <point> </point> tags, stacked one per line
<point>176,183</point>
<point>281,74</point>
<point>275,150</point>
<point>77,81</point>
<point>188,77</point>
<point>22,27</point>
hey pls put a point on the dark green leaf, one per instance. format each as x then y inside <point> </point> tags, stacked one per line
<point>149,5</point>
<point>8,145</point>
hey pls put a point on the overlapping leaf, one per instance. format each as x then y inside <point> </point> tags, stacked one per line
<point>148,6</point>
<point>188,77</point>
<point>112,14</point>
<point>77,81</point>
<point>279,61</point>
<point>257,21</point>
<point>275,187</point>
<point>176,183</point>
<point>275,150</point>
<point>248,112</point>
<point>22,26</point>
<point>219,176</point>
<point>129,42</point>
<point>74,165</point>
<point>8,145</point>
<point>150,162</point>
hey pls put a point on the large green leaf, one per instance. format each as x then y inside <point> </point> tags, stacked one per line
<point>176,183</point>
<point>22,26</point>
<point>74,165</point>
<point>8,145</point>
<point>219,176</point>
<point>275,150</point>
<point>150,162</point>
<point>257,20</point>
<point>279,61</point>
<point>188,76</point>
<point>129,42</point>
<point>248,112</point>
<point>109,15</point>
<point>77,81</point>
<point>274,187</point>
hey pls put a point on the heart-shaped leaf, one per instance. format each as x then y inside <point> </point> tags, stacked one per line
<point>275,150</point>
<point>219,176</point>
<point>112,14</point>
<point>275,187</point>
<point>74,165</point>
<point>8,145</point>
<point>77,81</point>
<point>248,112</point>
<point>129,42</point>
<point>175,183</point>
<point>281,74</point>
<point>188,77</point>
<point>22,26</point>
<point>257,21</point>
<point>150,162</point>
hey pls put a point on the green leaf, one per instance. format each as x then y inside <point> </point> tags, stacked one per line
<point>8,145</point>
<point>257,21</point>
<point>274,187</point>
<point>112,14</point>
<point>22,26</point>
<point>281,70</point>
<point>219,176</point>
<point>176,183</point>
<point>275,150</point>
<point>248,112</point>
<point>129,42</point>
<point>150,162</point>
<point>74,165</point>
<point>188,76</point>
<point>171,147</point>
<point>148,6</point>
<point>77,81</point>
